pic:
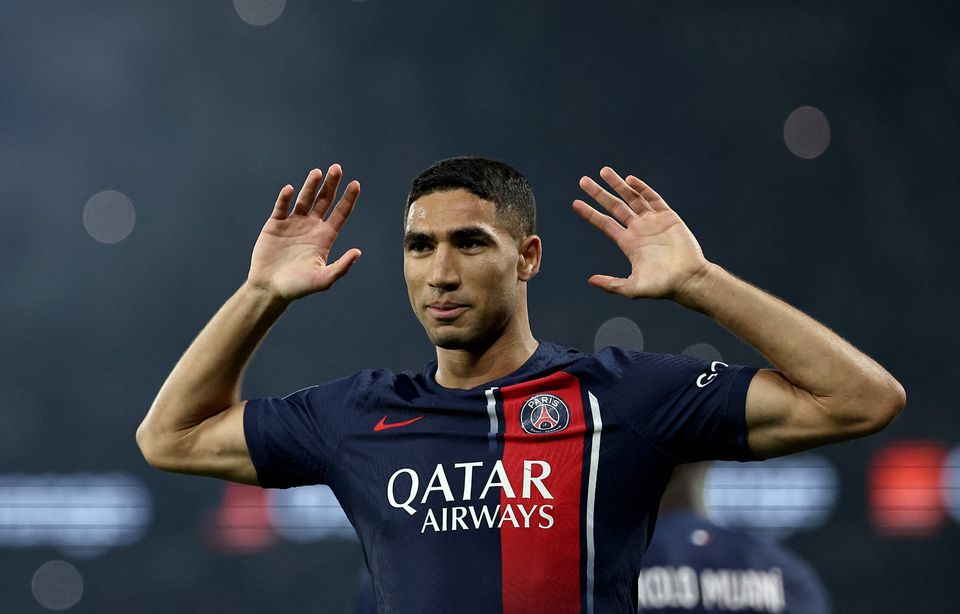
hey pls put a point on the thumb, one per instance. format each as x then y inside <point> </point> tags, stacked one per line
<point>608,283</point>
<point>337,269</point>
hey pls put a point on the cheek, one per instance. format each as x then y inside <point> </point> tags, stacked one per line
<point>411,270</point>
<point>410,278</point>
<point>501,286</point>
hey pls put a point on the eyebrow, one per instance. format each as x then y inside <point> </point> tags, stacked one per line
<point>458,234</point>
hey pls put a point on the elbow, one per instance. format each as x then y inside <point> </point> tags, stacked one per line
<point>153,449</point>
<point>147,445</point>
<point>895,399</point>
<point>883,406</point>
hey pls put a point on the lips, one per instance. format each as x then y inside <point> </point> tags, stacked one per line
<point>445,310</point>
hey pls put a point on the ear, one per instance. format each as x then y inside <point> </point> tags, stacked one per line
<point>528,258</point>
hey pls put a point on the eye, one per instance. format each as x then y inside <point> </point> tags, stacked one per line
<point>471,244</point>
<point>418,247</point>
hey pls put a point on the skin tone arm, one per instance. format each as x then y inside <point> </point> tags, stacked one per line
<point>822,389</point>
<point>195,424</point>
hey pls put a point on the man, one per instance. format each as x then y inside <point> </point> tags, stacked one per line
<point>511,475</point>
<point>695,566</point>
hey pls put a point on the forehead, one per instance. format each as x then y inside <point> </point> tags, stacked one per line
<point>440,212</point>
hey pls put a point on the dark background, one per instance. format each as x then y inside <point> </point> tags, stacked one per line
<point>199,118</point>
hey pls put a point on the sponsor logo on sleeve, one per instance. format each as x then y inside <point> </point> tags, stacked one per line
<point>706,378</point>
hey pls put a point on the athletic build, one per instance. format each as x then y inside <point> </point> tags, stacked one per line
<point>506,475</point>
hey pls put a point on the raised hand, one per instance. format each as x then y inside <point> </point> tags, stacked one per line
<point>291,257</point>
<point>663,253</point>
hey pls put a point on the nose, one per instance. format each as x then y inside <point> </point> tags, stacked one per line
<point>443,269</point>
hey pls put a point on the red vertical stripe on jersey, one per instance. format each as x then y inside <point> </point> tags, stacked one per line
<point>541,566</point>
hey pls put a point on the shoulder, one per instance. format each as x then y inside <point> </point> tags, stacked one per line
<point>615,363</point>
<point>768,552</point>
<point>353,386</point>
<point>803,585</point>
<point>685,535</point>
<point>781,556</point>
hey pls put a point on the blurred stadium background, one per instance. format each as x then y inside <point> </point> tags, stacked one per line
<point>812,148</point>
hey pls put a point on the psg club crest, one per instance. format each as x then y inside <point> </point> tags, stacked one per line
<point>544,413</point>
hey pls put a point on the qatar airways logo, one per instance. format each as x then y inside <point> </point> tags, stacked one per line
<point>404,492</point>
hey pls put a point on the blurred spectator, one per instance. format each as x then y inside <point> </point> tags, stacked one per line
<point>695,566</point>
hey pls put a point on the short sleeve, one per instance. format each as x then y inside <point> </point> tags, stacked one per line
<point>292,439</point>
<point>693,409</point>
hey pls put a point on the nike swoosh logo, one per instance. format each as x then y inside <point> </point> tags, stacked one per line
<point>382,425</point>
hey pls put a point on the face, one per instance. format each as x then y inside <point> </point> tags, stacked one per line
<point>464,271</point>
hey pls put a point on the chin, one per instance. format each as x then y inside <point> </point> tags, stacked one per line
<point>449,341</point>
<point>449,338</point>
<point>464,337</point>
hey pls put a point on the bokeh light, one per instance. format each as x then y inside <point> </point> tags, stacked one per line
<point>310,513</point>
<point>951,484</point>
<point>807,132</point>
<point>905,482</point>
<point>57,585</point>
<point>109,216</point>
<point>619,332</point>
<point>776,497</point>
<point>81,514</point>
<point>259,12</point>
<point>242,523</point>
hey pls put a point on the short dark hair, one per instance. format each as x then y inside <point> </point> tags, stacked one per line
<point>491,180</point>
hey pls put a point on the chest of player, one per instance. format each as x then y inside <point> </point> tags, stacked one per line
<point>509,490</point>
<point>524,457</point>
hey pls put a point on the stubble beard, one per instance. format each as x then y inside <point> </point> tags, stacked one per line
<point>477,338</point>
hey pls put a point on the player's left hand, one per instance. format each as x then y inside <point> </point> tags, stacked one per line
<point>663,253</point>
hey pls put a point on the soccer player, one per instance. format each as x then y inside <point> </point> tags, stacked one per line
<point>695,566</point>
<point>511,474</point>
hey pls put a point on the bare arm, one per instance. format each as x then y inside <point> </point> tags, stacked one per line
<point>195,424</point>
<point>823,389</point>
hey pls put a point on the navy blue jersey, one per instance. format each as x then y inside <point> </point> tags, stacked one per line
<point>364,599</point>
<point>536,492</point>
<point>695,566</point>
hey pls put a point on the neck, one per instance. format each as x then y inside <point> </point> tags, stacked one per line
<point>467,369</point>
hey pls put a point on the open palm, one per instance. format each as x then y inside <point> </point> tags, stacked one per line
<point>291,256</point>
<point>662,251</point>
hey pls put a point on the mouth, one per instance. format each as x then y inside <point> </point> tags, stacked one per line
<point>444,310</point>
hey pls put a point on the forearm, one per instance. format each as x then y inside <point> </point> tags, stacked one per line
<point>206,380</point>
<point>810,355</point>
<point>823,389</point>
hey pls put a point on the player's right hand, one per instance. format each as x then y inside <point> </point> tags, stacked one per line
<point>291,257</point>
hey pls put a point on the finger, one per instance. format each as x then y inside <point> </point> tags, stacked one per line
<point>606,224</point>
<point>328,191</point>
<point>611,203</point>
<point>338,268</point>
<point>655,201</point>
<point>345,207</point>
<point>614,285</point>
<point>632,197</point>
<point>282,207</point>
<point>307,192</point>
